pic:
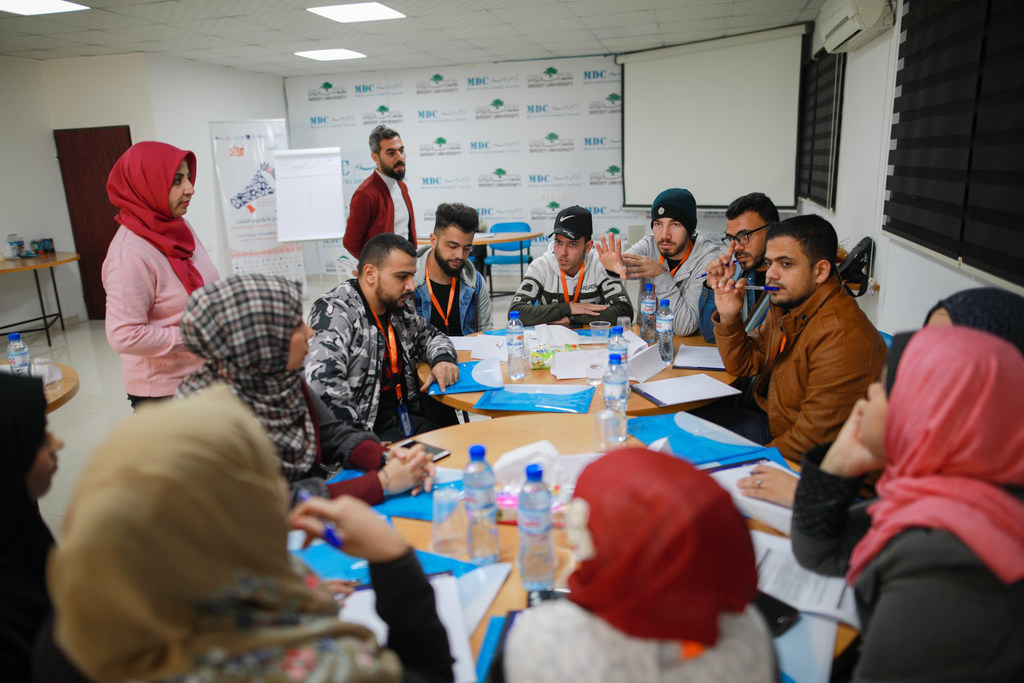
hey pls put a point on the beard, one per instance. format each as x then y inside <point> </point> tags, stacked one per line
<point>447,269</point>
<point>394,306</point>
<point>396,173</point>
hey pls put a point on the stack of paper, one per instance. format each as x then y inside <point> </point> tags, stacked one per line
<point>698,358</point>
<point>677,390</point>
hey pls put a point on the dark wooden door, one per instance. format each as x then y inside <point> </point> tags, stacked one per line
<point>86,156</point>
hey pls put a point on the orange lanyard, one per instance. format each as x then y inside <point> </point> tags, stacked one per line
<point>392,348</point>
<point>433,299</point>
<point>579,285</point>
<point>782,346</point>
<point>689,248</point>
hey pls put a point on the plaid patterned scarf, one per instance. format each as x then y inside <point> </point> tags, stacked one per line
<point>242,327</point>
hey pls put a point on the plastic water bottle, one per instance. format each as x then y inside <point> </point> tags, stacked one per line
<point>536,553</point>
<point>648,304</point>
<point>481,508</point>
<point>17,354</point>
<point>664,327</point>
<point>617,342</point>
<point>515,344</point>
<point>616,392</point>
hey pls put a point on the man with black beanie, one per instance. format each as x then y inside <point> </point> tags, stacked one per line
<point>672,257</point>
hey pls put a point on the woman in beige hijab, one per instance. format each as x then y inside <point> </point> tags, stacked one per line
<point>173,564</point>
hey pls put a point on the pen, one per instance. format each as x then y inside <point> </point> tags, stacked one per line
<point>767,288</point>
<point>330,533</point>
<point>701,277</point>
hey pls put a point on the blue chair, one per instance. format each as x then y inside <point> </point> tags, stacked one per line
<point>522,246</point>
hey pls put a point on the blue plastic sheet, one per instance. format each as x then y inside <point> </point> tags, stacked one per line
<point>329,563</point>
<point>466,384</point>
<point>492,638</point>
<point>539,401</point>
<point>404,505</point>
<point>697,450</point>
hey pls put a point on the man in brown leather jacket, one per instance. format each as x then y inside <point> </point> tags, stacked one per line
<point>815,353</point>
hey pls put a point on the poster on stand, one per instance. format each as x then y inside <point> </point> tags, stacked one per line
<point>243,153</point>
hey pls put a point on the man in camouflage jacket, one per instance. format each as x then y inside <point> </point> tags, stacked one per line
<point>349,355</point>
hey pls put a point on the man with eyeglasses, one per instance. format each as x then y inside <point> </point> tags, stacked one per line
<point>746,234</point>
<point>672,257</point>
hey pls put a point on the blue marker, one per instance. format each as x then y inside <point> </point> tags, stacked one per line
<point>701,277</point>
<point>330,533</point>
<point>766,288</point>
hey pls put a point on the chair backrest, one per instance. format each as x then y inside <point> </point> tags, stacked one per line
<point>514,226</point>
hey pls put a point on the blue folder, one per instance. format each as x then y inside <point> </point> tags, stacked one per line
<point>536,401</point>
<point>466,383</point>
<point>329,563</point>
<point>697,450</point>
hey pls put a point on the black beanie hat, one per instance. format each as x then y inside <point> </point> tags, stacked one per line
<point>678,204</point>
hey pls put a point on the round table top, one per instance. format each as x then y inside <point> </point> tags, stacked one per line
<point>57,394</point>
<point>636,405</point>
<point>485,238</point>
<point>44,261</point>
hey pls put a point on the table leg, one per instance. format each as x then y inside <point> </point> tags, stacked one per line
<point>56,295</point>
<point>42,306</point>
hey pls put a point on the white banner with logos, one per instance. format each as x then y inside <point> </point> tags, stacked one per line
<point>244,161</point>
<point>519,141</point>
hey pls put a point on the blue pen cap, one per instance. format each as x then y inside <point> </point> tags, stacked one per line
<point>617,329</point>
<point>615,358</point>
<point>534,472</point>
<point>477,452</point>
<point>513,315</point>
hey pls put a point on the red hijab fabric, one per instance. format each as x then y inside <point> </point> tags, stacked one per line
<point>954,439</point>
<point>671,551</point>
<point>139,185</point>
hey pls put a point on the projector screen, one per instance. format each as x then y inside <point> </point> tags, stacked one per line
<point>718,117</point>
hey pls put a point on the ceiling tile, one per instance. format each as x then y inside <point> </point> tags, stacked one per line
<point>169,11</point>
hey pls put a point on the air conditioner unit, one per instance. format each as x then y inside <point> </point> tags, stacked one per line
<point>845,25</point>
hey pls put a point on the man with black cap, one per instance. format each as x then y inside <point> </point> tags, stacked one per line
<point>671,258</point>
<point>567,285</point>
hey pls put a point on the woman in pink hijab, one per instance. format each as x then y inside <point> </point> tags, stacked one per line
<point>937,560</point>
<point>153,263</point>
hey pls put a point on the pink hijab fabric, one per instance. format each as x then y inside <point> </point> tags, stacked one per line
<point>954,438</point>
<point>139,185</point>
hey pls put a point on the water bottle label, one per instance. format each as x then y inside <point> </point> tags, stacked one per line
<point>664,325</point>
<point>534,522</point>
<point>515,339</point>
<point>478,498</point>
<point>647,307</point>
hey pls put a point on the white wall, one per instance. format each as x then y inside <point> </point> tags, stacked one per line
<point>911,280</point>
<point>32,192</point>
<point>186,97</point>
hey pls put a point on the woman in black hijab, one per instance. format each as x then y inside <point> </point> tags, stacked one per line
<point>27,466</point>
<point>988,309</point>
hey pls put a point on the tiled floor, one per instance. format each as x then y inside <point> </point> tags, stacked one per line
<point>101,403</point>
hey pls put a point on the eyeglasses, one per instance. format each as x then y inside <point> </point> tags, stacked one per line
<point>742,236</point>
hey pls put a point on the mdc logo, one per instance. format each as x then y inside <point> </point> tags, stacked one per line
<point>431,181</point>
<point>597,210</point>
<point>536,109</point>
<point>317,120</point>
<point>539,179</point>
<point>476,81</point>
<point>594,74</point>
<point>595,142</point>
<point>364,89</point>
<point>479,146</point>
<point>427,114</point>
<point>485,212</point>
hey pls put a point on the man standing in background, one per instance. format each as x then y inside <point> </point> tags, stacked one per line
<point>381,203</point>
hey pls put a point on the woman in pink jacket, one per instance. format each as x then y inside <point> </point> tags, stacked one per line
<point>153,263</point>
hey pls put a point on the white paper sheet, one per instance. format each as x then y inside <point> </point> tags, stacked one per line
<point>572,364</point>
<point>700,357</point>
<point>776,516</point>
<point>463,343</point>
<point>488,346</point>
<point>477,590</point>
<point>685,389</point>
<point>361,608</point>
<point>645,364</point>
<point>781,576</point>
<point>634,344</point>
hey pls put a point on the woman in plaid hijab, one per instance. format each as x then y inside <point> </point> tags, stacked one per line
<point>249,330</point>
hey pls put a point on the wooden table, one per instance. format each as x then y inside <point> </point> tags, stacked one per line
<point>636,406</point>
<point>569,434</point>
<point>483,239</point>
<point>59,394</point>
<point>34,264</point>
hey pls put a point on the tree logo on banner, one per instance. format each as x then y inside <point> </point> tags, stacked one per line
<point>497,104</point>
<point>500,172</point>
<point>612,104</point>
<point>437,84</point>
<point>550,72</point>
<point>326,85</point>
<point>499,177</point>
<point>550,78</point>
<point>610,176</point>
<point>551,137</point>
<point>437,79</point>
<point>382,110</point>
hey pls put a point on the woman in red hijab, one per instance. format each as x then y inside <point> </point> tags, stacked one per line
<point>937,560</point>
<point>664,586</point>
<point>153,263</point>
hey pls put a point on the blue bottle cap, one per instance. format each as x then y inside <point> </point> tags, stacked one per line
<point>477,452</point>
<point>615,358</point>
<point>14,336</point>
<point>513,315</point>
<point>664,302</point>
<point>534,472</point>
<point>649,287</point>
<point>617,329</point>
